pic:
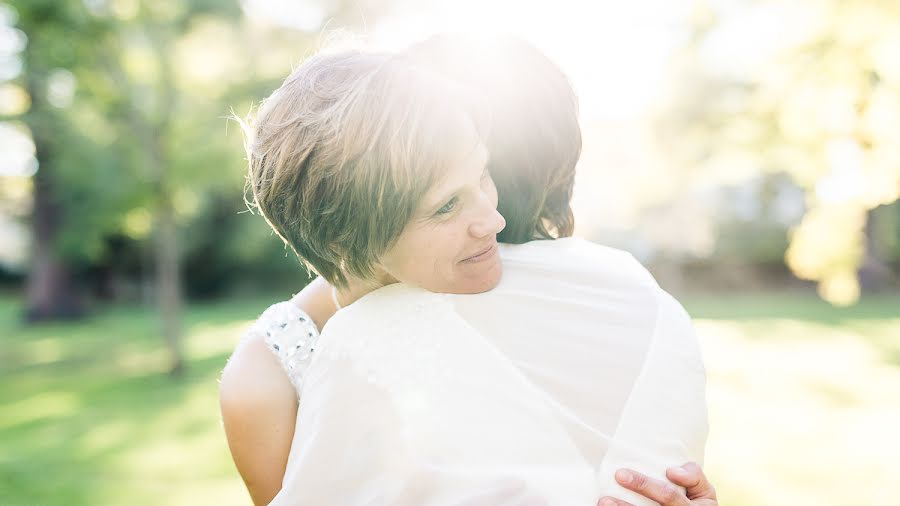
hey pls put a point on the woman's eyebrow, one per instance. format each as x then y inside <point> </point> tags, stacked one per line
<point>433,208</point>
<point>446,196</point>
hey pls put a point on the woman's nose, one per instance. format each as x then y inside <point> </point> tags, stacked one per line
<point>489,222</point>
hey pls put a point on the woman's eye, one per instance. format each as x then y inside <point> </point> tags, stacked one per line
<point>447,208</point>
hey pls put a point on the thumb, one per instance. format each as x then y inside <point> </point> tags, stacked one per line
<point>687,475</point>
<point>691,477</point>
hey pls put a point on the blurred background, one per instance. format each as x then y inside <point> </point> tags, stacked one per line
<point>746,151</point>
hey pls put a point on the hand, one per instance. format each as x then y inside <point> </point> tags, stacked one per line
<point>699,491</point>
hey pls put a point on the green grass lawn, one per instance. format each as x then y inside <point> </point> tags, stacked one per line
<point>804,399</point>
<point>804,403</point>
<point>90,417</point>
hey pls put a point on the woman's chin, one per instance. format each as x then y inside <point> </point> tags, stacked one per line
<point>487,280</point>
<point>465,281</point>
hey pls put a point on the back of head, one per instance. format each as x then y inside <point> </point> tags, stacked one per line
<point>535,138</point>
<point>341,154</point>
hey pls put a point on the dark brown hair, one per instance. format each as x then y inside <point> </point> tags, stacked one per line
<point>535,138</point>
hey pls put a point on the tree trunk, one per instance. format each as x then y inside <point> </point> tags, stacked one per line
<point>875,273</point>
<point>51,293</point>
<point>168,280</point>
<point>50,289</point>
<point>165,258</point>
<point>165,244</point>
<point>167,261</point>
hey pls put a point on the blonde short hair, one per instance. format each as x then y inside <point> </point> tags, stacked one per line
<point>341,154</point>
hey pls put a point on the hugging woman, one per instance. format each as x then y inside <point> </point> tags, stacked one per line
<point>473,354</point>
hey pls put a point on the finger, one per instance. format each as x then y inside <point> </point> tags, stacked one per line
<point>687,475</point>
<point>691,477</point>
<point>612,501</point>
<point>662,492</point>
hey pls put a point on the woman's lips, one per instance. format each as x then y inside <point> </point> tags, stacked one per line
<point>482,255</point>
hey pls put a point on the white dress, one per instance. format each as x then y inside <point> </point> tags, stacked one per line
<point>534,393</point>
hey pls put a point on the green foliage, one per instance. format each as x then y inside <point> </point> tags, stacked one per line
<point>154,83</point>
<point>814,97</point>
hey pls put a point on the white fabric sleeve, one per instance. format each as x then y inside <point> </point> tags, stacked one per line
<point>664,423</point>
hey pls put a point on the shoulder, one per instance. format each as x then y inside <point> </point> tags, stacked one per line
<point>672,317</point>
<point>578,260</point>
<point>256,374</point>
<point>254,379</point>
<point>383,310</point>
<point>258,405</point>
<point>288,335</point>
<point>672,308</point>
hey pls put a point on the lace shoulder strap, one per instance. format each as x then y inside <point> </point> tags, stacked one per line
<point>291,335</point>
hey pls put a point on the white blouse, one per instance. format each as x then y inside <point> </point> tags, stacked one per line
<point>577,364</point>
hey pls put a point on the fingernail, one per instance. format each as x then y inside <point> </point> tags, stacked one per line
<point>607,502</point>
<point>623,477</point>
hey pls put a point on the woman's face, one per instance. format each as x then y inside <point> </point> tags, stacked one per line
<point>450,245</point>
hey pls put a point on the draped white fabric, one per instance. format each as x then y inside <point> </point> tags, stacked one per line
<point>531,394</point>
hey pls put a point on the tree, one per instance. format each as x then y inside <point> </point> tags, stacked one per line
<point>49,52</point>
<point>128,115</point>
<point>806,88</point>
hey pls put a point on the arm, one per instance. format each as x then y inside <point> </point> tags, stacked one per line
<point>259,409</point>
<point>259,404</point>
